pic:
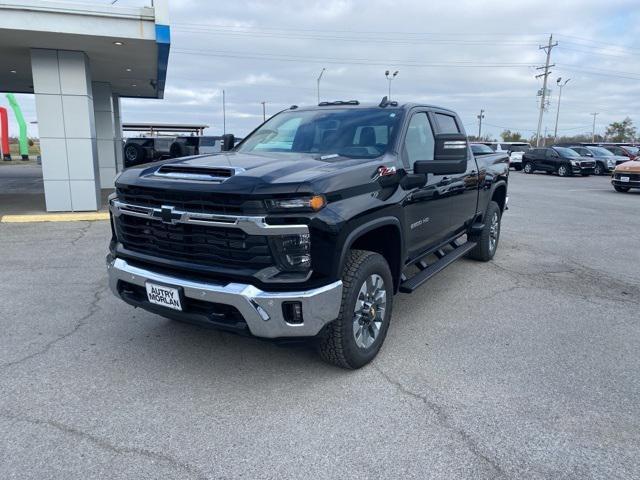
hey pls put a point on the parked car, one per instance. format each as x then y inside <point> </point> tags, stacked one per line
<point>515,150</point>
<point>630,152</point>
<point>561,160</point>
<point>139,150</point>
<point>191,145</point>
<point>605,160</point>
<point>626,176</point>
<point>309,227</point>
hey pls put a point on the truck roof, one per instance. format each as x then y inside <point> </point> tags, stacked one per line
<point>354,104</point>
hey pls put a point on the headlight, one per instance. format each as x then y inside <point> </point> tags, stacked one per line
<point>574,163</point>
<point>300,204</point>
<point>292,252</point>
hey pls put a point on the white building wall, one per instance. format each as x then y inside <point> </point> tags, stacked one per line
<point>105,132</point>
<point>66,124</point>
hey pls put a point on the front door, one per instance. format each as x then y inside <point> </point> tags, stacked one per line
<point>425,213</point>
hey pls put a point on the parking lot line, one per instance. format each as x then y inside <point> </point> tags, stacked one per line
<point>55,217</point>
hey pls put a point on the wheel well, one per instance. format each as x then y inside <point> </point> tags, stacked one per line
<point>386,241</point>
<point>500,196</point>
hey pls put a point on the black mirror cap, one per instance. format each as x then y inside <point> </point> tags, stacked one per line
<point>228,142</point>
<point>450,156</point>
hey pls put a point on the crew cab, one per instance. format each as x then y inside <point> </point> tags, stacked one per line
<point>561,160</point>
<point>310,226</point>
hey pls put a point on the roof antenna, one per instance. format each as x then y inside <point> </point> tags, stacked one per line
<point>384,102</point>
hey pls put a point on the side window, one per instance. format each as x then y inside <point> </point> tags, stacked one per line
<point>446,123</point>
<point>418,143</point>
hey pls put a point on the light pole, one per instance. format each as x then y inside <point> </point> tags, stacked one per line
<point>593,132</point>
<point>320,78</point>
<point>390,78</point>
<point>264,111</point>
<point>224,114</point>
<point>560,85</point>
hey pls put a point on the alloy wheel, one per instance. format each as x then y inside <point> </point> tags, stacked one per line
<point>369,311</point>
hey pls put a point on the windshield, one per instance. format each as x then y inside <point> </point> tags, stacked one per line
<point>600,152</point>
<point>356,133</point>
<point>519,147</point>
<point>479,148</point>
<point>566,152</point>
<point>632,150</point>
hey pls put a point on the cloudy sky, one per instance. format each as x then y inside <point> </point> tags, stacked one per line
<point>466,55</point>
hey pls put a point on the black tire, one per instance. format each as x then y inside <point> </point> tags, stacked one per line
<point>134,154</point>
<point>337,342</point>
<point>518,167</point>
<point>176,150</point>
<point>599,169</point>
<point>564,170</point>
<point>485,248</point>
<point>618,188</point>
<point>527,167</point>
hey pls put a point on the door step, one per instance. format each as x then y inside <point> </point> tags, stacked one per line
<point>428,271</point>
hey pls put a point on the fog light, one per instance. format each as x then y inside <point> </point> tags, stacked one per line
<point>292,312</point>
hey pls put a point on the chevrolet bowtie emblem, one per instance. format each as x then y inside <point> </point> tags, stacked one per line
<point>169,215</point>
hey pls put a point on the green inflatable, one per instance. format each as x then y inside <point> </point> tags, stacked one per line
<point>24,142</point>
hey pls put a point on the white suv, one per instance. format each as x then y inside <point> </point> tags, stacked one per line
<point>515,150</point>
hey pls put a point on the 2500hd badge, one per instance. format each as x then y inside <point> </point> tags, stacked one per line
<point>298,232</point>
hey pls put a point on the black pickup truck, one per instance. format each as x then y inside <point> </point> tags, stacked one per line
<point>309,226</point>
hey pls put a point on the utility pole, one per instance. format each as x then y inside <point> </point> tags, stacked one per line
<point>560,85</point>
<point>480,117</point>
<point>390,78</point>
<point>545,75</point>
<point>264,111</point>
<point>593,132</point>
<point>224,115</point>
<point>544,144</point>
<point>320,78</point>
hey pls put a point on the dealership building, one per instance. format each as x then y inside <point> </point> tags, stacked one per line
<point>79,60</point>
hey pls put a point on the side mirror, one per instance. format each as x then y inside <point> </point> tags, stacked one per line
<point>228,142</point>
<point>450,156</point>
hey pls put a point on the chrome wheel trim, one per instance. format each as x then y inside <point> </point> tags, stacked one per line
<point>562,171</point>
<point>527,168</point>
<point>369,311</point>
<point>494,231</point>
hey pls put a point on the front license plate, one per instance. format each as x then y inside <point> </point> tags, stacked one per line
<point>165,296</point>
<point>624,179</point>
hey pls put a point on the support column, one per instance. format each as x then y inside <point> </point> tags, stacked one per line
<point>66,125</point>
<point>105,132</point>
<point>117,124</point>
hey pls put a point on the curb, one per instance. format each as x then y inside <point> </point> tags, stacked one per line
<point>56,217</point>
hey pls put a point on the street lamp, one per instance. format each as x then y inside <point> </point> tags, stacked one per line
<point>390,78</point>
<point>560,85</point>
<point>320,78</point>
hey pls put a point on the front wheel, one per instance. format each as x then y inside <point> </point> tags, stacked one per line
<point>355,337</point>
<point>487,239</point>
<point>528,167</point>
<point>618,188</point>
<point>599,169</point>
<point>564,171</point>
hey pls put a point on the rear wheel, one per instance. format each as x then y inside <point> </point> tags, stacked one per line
<point>563,170</point>
<point>618,188</point>
<point>355,338</point>
<point>487,239</point>
<point>528,167</point>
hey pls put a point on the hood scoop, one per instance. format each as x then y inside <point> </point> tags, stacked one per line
<point>197,172</point>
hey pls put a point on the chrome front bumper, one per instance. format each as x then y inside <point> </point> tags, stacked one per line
<point>262,311</point>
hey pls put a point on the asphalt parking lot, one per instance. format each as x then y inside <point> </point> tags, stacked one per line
<point>525,367</point>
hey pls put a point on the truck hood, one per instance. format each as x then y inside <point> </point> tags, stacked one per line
<point>268,173</point>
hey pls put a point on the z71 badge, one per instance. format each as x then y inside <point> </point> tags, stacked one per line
<point>384,171</point>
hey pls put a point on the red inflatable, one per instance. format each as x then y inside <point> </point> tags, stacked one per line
<point>4,133</point>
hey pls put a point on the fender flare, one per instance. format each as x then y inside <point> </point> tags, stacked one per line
<point>367,227</point>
